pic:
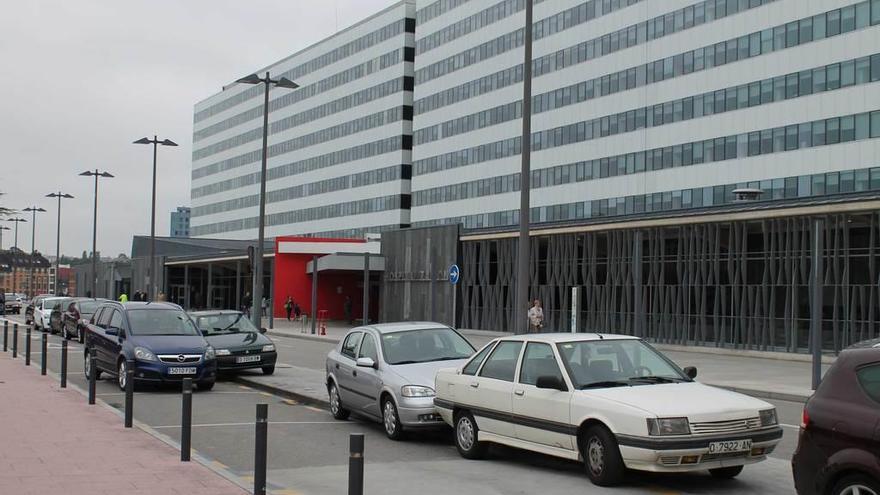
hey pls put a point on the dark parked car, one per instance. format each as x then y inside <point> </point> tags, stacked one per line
<point>237,343</point>
<point>838,450</point>
<point>77,315</point>
<point>160,337</point>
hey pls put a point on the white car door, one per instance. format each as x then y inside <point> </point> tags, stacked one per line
<point>543,414</point>
<point>489,393</point>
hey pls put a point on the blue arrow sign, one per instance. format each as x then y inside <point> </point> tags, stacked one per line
<point>454,274</point>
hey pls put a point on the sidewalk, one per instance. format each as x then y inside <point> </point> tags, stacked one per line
<point>54,443</point>
<point>766,375</point>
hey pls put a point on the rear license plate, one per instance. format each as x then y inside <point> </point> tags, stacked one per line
<point>247,359</point>
<point>730,446</point>
<point>181,371</point>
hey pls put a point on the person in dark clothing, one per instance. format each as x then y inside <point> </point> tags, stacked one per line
<point>288,307</point>
<point>246,302</point>
<point>2,301</point>
<point>297,311</point>
<point>346,306</point>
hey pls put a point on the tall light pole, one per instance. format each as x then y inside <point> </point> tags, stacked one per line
<point>96,174</point>
<point>34,210</point>
<point>151,279</point>
<point>257,291</point>
<point>522,256</point>
<point>2,228</point>
<point>60,195</point>
<point>14,264</point>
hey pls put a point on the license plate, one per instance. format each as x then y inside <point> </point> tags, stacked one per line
<point>181,371</point>
<point>247,359</point>
<point>730,446</point>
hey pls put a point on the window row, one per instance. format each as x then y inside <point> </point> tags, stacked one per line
<point>751,45</point>
<point>360,207</point>
<point>770,90</point>
<point>787,188</point>
<point>333,56</point>
<point>366,150</point>
<point>437,8</point>
<point>361,97</point>
<point>788,138</point>
<point>386,174</point>
<point>344,129</point>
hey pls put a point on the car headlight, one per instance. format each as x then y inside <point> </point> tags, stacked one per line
<point>416,391</point>
<point>268,347</point>
<point>222,352</point>
<point>668,426</point>
<point>209,353</point>
<point>144,354</point>
<point>768,417</point>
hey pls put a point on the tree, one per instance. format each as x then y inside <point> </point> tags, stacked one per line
<point>85,256</point>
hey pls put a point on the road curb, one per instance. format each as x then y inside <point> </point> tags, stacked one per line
<point>764,394</point>
<point>283,392</point>
<point>304,336</point>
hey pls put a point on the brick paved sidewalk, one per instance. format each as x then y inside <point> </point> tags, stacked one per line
<point>53,442</point>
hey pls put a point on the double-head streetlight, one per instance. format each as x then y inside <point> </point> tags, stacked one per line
<point>96,174</point>
<point>151,279</point>
<point>60,195</point>
<point>34,210</point>
<point>522,256</point>
<point>14,263</point>
<point>257,292</point>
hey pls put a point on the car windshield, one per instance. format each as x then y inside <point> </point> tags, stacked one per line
<point>611,363</point>
<point>422,346</point>
<point>160,322</point>
<point>225,323</point>
<point>88,307</point>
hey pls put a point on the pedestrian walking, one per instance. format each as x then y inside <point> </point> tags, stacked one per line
<point>297,311</point>
<point>346,306</point>
<point>288,307</point>
<point>246,303</point>
<point>123,298</point>
<point>536,317</point>
<point>264,307</point>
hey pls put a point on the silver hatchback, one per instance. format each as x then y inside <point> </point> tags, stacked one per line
<point>386,372</point>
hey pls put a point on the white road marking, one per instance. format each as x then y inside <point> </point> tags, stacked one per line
<point>214,425</point>
<point>790,426</point>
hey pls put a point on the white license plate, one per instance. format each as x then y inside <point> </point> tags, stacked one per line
<point>247,359</point>
<point>730,446</point>
<point>181,371</point>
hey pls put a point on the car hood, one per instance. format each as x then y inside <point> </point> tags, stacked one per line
<point>171,344</point>
<point>423,373</point>
<point>694,400</point>
<point>237,340</point>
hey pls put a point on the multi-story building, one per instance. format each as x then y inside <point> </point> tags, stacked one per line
<point>339,146</point>
<point>18,269</point>
<point>180,222</point>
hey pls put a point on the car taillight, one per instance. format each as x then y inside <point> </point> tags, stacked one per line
<point>805,418</point>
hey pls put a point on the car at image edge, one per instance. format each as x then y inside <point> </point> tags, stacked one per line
<point>611,401</point>
<point>237,343</point>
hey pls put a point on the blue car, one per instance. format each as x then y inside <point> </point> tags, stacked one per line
<point>160,337</point>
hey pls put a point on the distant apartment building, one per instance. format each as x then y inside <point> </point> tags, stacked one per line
<point>18,270</point>
<point>180,220</point>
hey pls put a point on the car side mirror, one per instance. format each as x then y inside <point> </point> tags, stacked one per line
<point>551,382</point>
<point>112,331</point>
<point>366,362</point>
<point>691,372</point>
<point>262,329</point>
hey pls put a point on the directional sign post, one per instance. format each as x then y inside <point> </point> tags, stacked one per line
<point>454,276</point>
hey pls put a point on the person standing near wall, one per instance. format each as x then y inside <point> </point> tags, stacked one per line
<point>288,307</point>
<point>246,303</point>
<point>346,306</point>
<point>536,317</point>
<point>123,298</point>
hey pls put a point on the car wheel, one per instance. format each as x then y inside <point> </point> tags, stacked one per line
<point>602,456</point>
<point>87,366</point>
<point>336,408</point>
<point>857,484</point>
<point>206,386</point>
<point>121,375</point>
<point>466,435</point>
<point>268,370</point>
<point>726,473</point>
<point>391,420</point>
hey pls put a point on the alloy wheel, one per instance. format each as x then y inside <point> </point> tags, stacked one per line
<point>123,375</point>
<point>596,456</point>
<point>465,433</point>
<point>858,489</point>
<point>334,400</point>
<point>389,415</point>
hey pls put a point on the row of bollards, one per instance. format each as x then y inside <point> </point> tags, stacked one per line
<point>261,425</point>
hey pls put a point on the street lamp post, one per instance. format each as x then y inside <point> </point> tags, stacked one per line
<point>34,210</point>
<point>60,195</point>
<point>151,279</point>
<point>14,264</point>
<point>261,231</point>
<point>522,260</point>
<point>96,174</point>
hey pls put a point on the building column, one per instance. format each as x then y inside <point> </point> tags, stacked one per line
<point>238,285</point>
<point>208,293</point>
<point>271,294</point>
<point>314,292</point>
<point>186,289</point>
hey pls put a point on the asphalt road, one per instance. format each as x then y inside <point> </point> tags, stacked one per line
<point>308,450</point>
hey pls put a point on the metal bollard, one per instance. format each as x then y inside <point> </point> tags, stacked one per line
<point>14,340</point>
<point>129,392</point>
<point>356,464</point>
<point>27,346</point>
<point>186,420</point>
<point>63,364</point>
<point>93,377</point>
<point>44,344</point>
<point>5,335</point>
<point>261,442</point>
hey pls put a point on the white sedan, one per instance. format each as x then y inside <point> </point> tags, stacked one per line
<point>611,401</point>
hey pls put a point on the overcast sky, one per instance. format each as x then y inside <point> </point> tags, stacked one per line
<point>83,79</point>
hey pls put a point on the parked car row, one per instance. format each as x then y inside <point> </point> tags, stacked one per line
<point>14,302</point>
<point>612,402</point>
